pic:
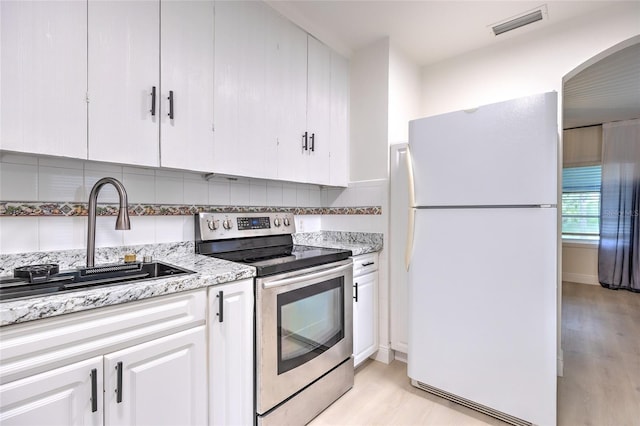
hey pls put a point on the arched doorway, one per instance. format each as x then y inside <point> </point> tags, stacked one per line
<point>600,383</point>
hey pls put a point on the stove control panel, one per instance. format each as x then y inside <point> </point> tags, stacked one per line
<point>219,226</point>
<point>260,222</point>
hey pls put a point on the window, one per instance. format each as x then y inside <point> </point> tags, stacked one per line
<point>581,202</point>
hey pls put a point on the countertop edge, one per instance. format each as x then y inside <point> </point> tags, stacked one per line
<point>212,272</point>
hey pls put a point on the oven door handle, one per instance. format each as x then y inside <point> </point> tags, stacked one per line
<point>306,277</point>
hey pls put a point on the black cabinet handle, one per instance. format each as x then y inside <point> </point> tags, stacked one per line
<point>305,144</point>
<point>356,296</point>
<point>313,142</point>
<point>220,313</point>
<point>153,101</point>
<point>94,390</point>
<point>368,263</point>
<point>170,104</point>
<point>119,383</point>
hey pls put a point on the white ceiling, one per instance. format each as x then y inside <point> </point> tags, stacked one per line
<point>608,90</point>
<point>427,31</point>
<point>433,31</point>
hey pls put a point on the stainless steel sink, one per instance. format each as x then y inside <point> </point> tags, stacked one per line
<point>83,278</point>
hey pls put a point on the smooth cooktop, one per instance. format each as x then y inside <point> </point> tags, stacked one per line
<point>279,259</point>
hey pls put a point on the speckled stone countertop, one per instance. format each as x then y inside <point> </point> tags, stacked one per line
<point>358,242</point>
<point>209,271</point>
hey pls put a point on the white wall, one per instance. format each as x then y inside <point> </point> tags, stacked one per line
<point>580,262</point>
<point>385,95</point>
<point>404,94</point>
<point>533,63</point>
<point>369,97</point>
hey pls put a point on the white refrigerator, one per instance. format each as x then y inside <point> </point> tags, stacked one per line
<point>482,258</point>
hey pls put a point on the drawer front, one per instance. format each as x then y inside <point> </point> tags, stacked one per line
<point>40,345</point>
<point>365,263</point>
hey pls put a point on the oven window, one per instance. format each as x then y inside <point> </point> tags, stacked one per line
<point>310,321</point>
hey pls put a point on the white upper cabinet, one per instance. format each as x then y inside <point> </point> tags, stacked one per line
<point>186,68</point>
<point>318,110</point>
<point>43,77</point>
<point>229,87</point>
<point>124,52</point>
<point>242,146</point>
<point>134,116</point>
<point>274,95</point>
<point>339,131</point>
<point>287,94</point>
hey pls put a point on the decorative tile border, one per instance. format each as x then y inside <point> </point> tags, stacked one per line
<point>71,209</point>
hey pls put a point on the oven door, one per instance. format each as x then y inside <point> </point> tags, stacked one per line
<point>304,328</point>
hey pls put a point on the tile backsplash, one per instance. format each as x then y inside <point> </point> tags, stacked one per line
<point>30,178</point>
<point>33,178</point>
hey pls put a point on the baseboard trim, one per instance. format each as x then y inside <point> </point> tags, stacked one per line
<point>580,278</point>
<point>384,354</point>
<point>401,356</point>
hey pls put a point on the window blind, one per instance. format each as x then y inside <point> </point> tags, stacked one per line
<point>581,179</point>
<point>581,201</point>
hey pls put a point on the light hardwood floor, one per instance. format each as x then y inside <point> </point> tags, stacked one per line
<point>601,344</point>
<point>600,387</point>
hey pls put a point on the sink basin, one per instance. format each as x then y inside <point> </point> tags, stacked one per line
<point>83,278</point>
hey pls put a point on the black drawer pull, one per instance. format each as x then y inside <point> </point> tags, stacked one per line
<point>220,313</point>
<point>94,390</point>
<point>368,263</point>
<point>170,104</point>
<point>119,382</point>
<point>153,101</point>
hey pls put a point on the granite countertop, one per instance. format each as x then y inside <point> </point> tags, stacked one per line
<point>209,271</point>
<point>358,242</point>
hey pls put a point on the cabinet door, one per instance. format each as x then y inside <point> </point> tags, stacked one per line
<point>162,382</point>
<point>62,396</point>
<point>318,110</point>
<point>365,334</point>
<point>231,354</point>
<point>124,52</point>
<point>241,145</point>
<point>43,77</point>
<point>287,94</point>
<point>339,131</point>
<point>186,40</point>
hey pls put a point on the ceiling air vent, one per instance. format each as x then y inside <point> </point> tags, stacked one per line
<point>526,18</point>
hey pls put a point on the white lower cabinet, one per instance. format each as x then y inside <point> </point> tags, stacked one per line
<point>231,354</point>
<point>63,396</point>
<point>139,363</point>
<point>162,382</point>
<point>365,307</point>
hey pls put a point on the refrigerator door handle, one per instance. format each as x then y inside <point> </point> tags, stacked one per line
<point>412,202</point>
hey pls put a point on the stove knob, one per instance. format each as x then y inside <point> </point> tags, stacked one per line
<point>286,221</point>
<point>213,224</point>
<point>227,224</point>
<point>276,222</point>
